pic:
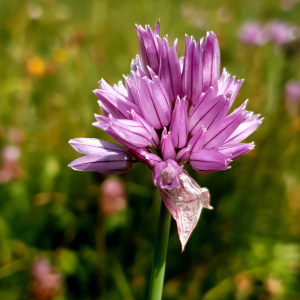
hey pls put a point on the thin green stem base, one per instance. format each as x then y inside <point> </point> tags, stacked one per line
<point>160,253</point>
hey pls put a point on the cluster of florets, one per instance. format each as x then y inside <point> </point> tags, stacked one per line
<point>170,112</point>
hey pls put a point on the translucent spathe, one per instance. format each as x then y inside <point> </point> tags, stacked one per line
<point>185,205</point>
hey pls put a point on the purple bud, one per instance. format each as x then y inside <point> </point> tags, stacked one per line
<point>101,157</point>
<point>169,69</point>
<point>166,145</point>
<point>178,125</point>
<point>209,160</point>
<point>192,69</point>
<point>146,157</point>
<point>210,61</point>
<point>127,132</point>
<point>166,174</point>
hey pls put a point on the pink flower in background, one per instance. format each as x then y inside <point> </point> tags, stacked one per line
<point>113,196</point>
<point>253,33</point>
<point>47,281</point>
<point>292,90</point>
<point>279,32</point>
<point>10,168</point>
<point>292,95</point>
<point>171,112</point>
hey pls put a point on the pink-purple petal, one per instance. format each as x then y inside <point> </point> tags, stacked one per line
<point>166,145</point>
<point>169,69</point>
<point>179,127</point>
<point>92,146</point>
<point>211,61</point>
<point>127,132</point>
<point>216,137</point>
<point>209,160</point>
<point>236,150</point>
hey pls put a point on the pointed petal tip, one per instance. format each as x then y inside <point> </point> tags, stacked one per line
<point>72,165</point>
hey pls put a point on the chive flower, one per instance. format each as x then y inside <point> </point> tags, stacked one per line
<point>171,111</point>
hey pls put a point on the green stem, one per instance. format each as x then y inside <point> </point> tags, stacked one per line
<point>160,253</point>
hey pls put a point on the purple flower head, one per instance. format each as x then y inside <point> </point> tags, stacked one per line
<point>253,33</point>
<point>169,113</point>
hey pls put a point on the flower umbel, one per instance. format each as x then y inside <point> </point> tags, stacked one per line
<point>170,112</point>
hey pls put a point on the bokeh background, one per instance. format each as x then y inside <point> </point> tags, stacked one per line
<point>74,235</point>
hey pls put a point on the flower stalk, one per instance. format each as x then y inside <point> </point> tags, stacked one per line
<point>160,253</point>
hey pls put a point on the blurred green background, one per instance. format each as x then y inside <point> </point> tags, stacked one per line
<point>52,55</point>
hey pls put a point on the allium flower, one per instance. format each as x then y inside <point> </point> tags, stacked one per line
<point>253,33</point>
<point>171,112</point>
